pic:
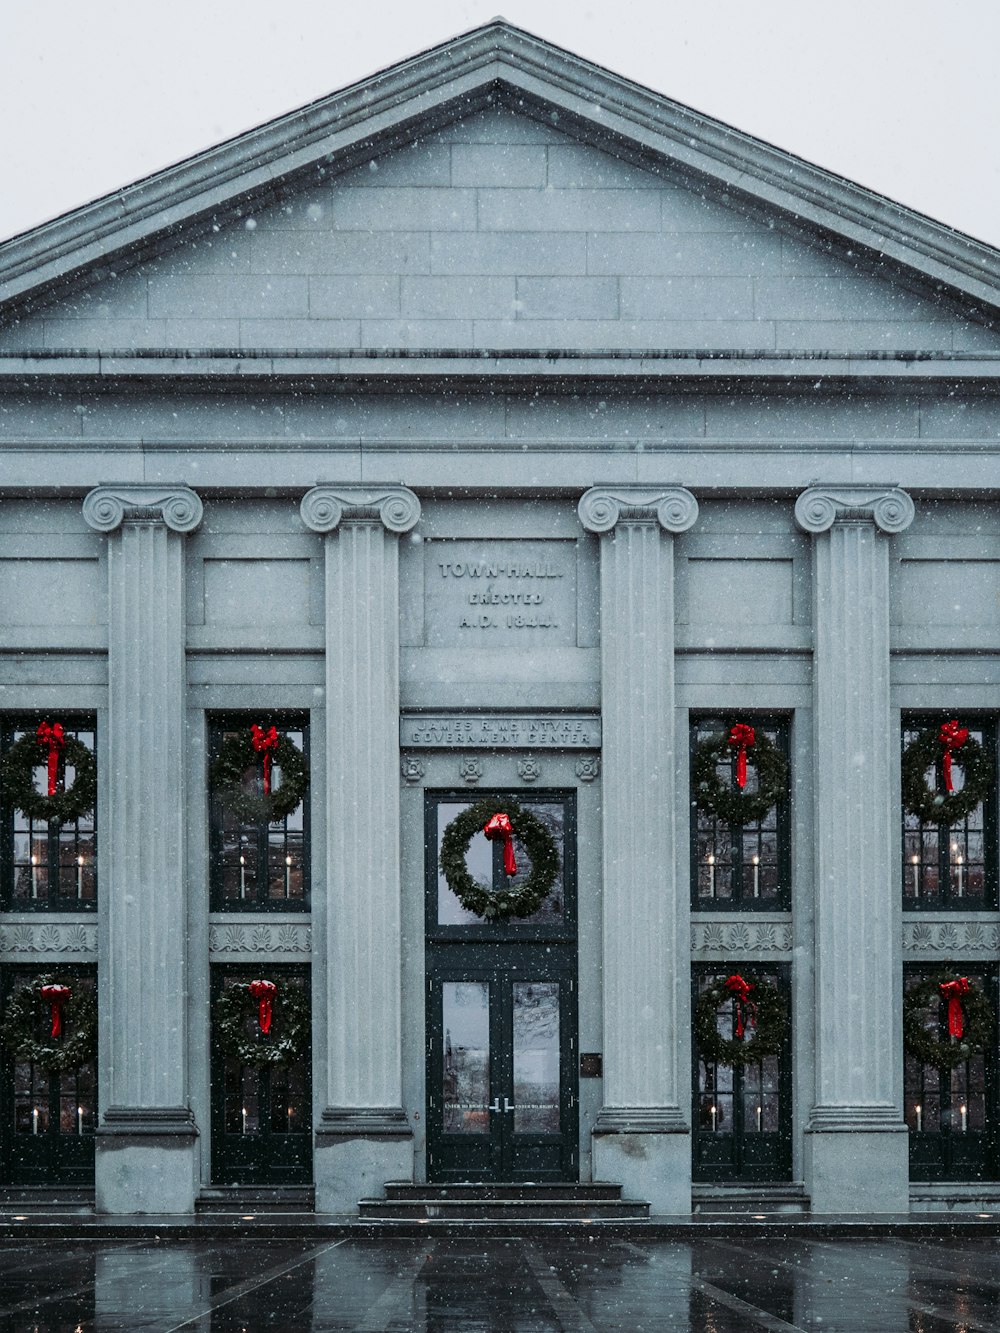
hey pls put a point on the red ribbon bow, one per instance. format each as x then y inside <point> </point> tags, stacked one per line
<point>952,991</point>
<point>57,997</point>
<point>952,737</point>
<point>264,742</point>
<point>264,991</point>
<point>741,735</point>
<point>740,990</point>
<point>499,826</point>
<point>53,737</point>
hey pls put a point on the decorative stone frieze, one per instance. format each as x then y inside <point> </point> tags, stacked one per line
<point>273,942</point>
<point>855,821</point>
<point>748,939</point>
<point>39,939</point>
<point>940,940</point>
<point>640,1136</point>
<point>358,919</point>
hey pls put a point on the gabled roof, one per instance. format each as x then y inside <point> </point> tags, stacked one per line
<point>456,78</point>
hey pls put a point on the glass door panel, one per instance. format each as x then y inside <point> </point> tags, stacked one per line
<point>535,1006</point>
<point>465,1086</point>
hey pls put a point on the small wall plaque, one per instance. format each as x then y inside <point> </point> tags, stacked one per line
<point>591,1064</point>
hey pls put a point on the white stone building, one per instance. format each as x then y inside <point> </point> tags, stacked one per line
<point>498,427</point>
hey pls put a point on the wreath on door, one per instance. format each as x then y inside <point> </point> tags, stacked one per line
<point>50,748</point>
<point>733,804</point>
<point>63,1008</point>
<point>514,900</point>
<point>971,1020</point>
<point>266,1001</point>
<point>760,1020</point>
<point>942,747</point>
<point>256,748</point>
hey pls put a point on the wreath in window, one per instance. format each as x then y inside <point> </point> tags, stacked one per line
<point>943,747</point>
<point>735,805</point>
<point>67,1010</point>
<point>50,748</point>
<point>760,1021</point>
<point>264,751</point>
<point>265,1000</point>
<point>970,1019</point>
<point>505,818</point>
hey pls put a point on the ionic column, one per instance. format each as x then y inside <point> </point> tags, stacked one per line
<point>856,1145</point>
<point>364,1138</point>
<point>146,1140</point>
<point>642,1136</point>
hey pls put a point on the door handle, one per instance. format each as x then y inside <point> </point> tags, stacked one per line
<point>506,1105</point>
<point>495,1105</point>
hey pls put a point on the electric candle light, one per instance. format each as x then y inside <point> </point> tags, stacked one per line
<point>79,877</point>
<point>916,876</point>
<point>243,877</point>
<point>965,1118</point>
<point>288,876</point>
<point>920,1118</point>
<point>960,884</point>
<point>756,876</point>
<point>760,1119</point>
<point>715,1119</point>
<point>34,1120</point>
<point>34,875</point>
<point>711,874</point>
<point>244,1120</point>
<point>79,1119</point>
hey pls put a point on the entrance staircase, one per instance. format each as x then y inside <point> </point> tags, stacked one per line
<point>557,1202</point>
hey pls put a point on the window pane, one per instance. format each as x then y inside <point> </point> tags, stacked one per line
<point>465,1019</point>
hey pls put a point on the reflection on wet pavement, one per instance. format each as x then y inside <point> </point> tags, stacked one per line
<point>580,1285</point>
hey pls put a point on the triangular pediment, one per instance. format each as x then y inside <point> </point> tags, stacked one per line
<point>497,194</point>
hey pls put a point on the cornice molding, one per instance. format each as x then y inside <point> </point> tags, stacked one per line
<point>108,507</point>
<point>673,507</point>
<point>325,508</point>
<point>888,507</point>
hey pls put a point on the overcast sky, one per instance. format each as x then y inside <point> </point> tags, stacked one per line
<point>900,95</point>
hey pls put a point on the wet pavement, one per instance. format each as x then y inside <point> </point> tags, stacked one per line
<point>583,1284</point>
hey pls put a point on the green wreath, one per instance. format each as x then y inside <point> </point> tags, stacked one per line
<point>27,1013</point>
<point>237,755</point>
<point>943,808</point>
<point>17,778</point>
<point>729,803</point>
<point>764,1014</point>
<point>517,900</point>
<point>291,1017</point>
<point>919,1041</point>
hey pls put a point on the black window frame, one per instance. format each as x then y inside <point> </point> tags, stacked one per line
<point>76,720</point>
<point>754,1157</point>
<point>949,901</point>
<point>948,1153</point>
<point>781,723</point>
<point>218,724</point>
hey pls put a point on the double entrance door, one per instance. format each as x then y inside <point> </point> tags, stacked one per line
<point>502,1084</point>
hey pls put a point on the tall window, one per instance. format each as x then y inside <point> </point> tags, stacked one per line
<point>742,1115</point>
<point>258,865</point>
<point>951,866</point>
<point>740,867</point>
<point>952,1113</point>
<point>47,865</point>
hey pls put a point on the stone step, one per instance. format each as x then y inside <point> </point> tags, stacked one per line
<point>788,1197</point>
<point>525,1190</point>
<point>253,1198</point>
<point>46,1199</point>
<point>546,1209</point>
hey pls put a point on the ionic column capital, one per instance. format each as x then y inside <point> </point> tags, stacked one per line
<point>888,507</point>
<point>325,508</point>
<point>673,507</point>
<point>108,507</point>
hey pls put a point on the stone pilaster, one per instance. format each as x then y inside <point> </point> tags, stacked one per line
<point>642,1136</point>
<point>146,1141</point>
<point>364,1137</point>
<point>856,1145</point>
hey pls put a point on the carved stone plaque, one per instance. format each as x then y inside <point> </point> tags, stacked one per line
<point>492,594</point>
<point>500,731</point>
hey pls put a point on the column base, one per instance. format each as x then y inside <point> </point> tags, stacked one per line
<point>146,1160</point>
<point>857,1160</point>
<point>646,1150</point>
<point>357,1151</point>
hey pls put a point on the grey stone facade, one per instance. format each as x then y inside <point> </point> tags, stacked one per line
<point>259,416</point>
